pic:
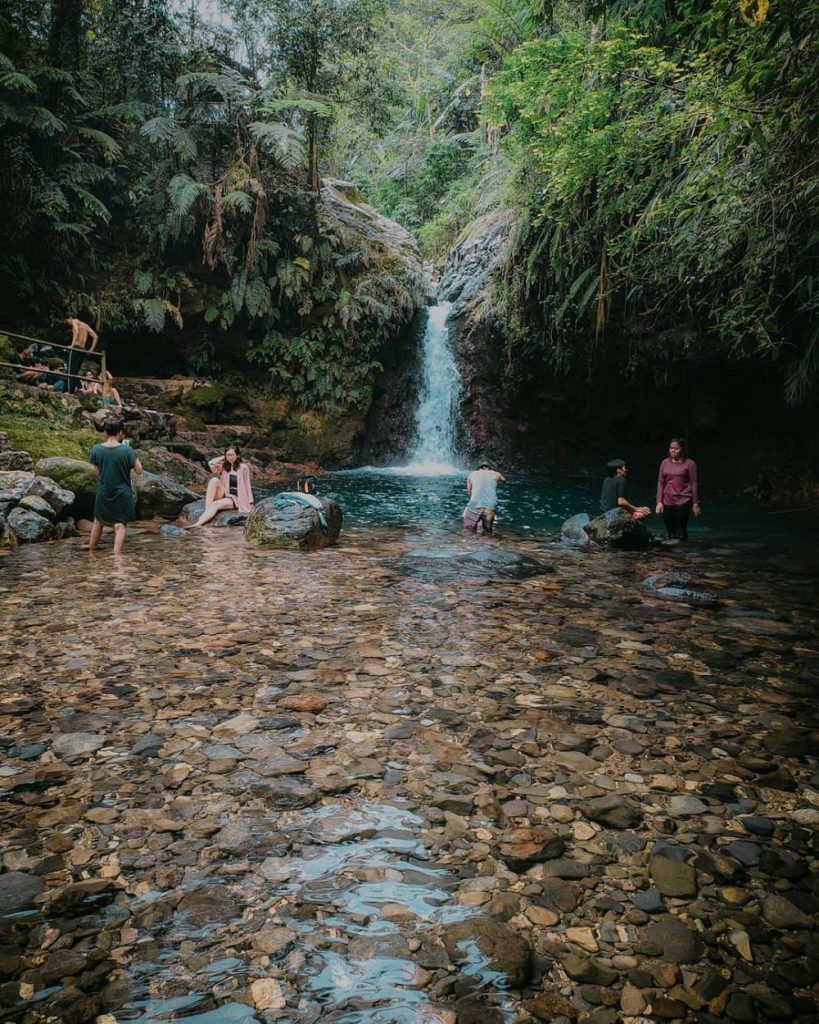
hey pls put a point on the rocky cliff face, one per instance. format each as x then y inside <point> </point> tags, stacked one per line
<point>475,335</point>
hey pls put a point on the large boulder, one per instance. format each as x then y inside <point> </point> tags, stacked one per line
<point>157,496</point>
<point>138,424</point>
<point>29,527</point>
<point>74,475</point>
<point>57,497</point>
<point>617,529</point>
<point>573,531</point>
<point>34,503</point>
<point>13,485</point>
<point>276,523</point>
<point>231,517</point>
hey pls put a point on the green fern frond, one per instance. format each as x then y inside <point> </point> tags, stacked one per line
<point>209,85</point>
<point>159,129</point>
<point>91,203</point>
<point>153,313</point>
<point>17,81</point>
<point>184,192</point>
<point>111,149</point>
<point>305,104</point>
<point>42,119</point>
<point>240,200</point>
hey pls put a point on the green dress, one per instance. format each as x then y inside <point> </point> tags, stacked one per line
<point>115,499</point>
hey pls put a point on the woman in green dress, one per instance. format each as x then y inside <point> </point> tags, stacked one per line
<point>114,504</point>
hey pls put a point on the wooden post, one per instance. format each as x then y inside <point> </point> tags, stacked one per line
<point>102,366</point>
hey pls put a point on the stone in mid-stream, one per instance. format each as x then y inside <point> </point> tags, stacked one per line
<point>274,524</point>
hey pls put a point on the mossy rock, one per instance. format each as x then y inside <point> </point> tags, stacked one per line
<point>207,396</point>
<point>74,475</point>
<point>273,524</point>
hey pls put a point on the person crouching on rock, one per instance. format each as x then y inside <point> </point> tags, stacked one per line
<point>229,488</point>
<point>114,504</point>
<point>613,492</point>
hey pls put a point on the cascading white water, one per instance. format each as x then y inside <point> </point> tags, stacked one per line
<point>434,453</point>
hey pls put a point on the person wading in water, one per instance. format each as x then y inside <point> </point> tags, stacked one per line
<point>677,490</point>
<point>114,504</point>
<point>482,488</point>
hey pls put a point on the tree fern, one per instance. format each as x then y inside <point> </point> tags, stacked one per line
<point>18,82</point>
<point>184,192</point>
<point>111,149</point>
<point>91,203</point>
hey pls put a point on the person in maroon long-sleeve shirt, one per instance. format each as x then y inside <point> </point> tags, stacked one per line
<point>677,490</point>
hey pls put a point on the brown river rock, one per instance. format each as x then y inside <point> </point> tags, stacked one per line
<point>251,785</point>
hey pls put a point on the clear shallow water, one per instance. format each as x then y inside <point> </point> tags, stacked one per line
<point>534,504</point>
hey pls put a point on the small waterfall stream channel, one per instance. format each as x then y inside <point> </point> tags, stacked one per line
<point>411,779</point>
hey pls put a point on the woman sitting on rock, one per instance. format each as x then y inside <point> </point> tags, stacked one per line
<point>110,395</point>
<point>229,488</point>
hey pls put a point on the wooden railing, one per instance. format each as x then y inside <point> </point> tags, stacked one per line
<point>86,354</point>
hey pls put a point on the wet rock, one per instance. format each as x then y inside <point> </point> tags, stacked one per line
<point>685,806</point>
<point>670,872</point>
<point>159,497</point>
<point>169,530</point>
<point>677,586</point>
<point>588,970</point>
<point>522,847</point>
<point>72,475</point>
<point>191,512</point>
<point>486,562</point>
<point>548,1005</point>
<point>478,1008</point>
<point>14,484</point>
<point>671,939</point>
<point>649,900</point>
<point>17,891</point>
<point>780,912</point>
<point>273,941</point>
<point>573,531</point>
<point>617,529</point>
<point>505,950</point>
<point>612,811</point>
<point>33,503</point>
<point>59,498</point>
<point>312,702</point>
<point>274,523</point>
<point>267,994</point>
<point>29,527</point>
<point>77,744</point>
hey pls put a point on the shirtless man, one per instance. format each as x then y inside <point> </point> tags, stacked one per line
<point>80,333</point>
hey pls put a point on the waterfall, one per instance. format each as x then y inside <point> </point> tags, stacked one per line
<point>435,417</point>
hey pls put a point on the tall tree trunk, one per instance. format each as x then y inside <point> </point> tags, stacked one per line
<point>65,35</point>
<point>312,153</point>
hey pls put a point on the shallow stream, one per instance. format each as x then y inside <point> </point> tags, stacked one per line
<point>244,785</point>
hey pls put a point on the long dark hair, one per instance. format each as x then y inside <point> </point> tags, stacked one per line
<point>225,464</point>
<point>681,441</point>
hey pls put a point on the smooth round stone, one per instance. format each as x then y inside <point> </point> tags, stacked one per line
<point>560,812</point>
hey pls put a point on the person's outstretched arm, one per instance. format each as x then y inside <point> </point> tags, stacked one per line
<point>500,478</point>
<point>94,338</point>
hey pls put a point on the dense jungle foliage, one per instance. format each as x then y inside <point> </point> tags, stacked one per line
<point>160,166</point>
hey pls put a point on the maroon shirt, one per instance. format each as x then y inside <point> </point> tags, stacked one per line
<point>677,482</point>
